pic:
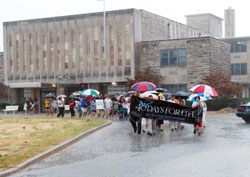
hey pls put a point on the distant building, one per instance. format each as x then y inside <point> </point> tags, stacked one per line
<point>206,22</point>
<point>64,54</point>
<point>184,62</point>
<point>3,98</point>
<point>240,62</point>
<point>229,23</point>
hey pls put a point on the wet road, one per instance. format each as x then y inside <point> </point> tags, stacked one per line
<point>223,150</point>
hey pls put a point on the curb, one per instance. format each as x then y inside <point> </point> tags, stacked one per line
<point>51,151</point>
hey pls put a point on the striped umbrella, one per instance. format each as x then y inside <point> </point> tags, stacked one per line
<point>143,86</point>
<point>203,97</point>
<point>92,92</point>
<point>202,88</point>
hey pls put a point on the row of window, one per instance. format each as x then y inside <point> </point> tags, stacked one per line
<point>238,46</point>
<point>173,57</point>
<point>173,88</point>
<point>239,69</point>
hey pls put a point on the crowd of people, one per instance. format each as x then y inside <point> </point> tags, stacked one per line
<point>150,126</point>
<point>31,106</point>
<point>101,106</point>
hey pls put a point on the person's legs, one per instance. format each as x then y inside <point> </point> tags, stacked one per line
<point>80,111</point>
<point>59,112</point>
<point>133,123</point>
<point>153,123</point>
<point>195,127</point>
<point>172,125</point>
<point>139,126</point>
<point>71,112</point>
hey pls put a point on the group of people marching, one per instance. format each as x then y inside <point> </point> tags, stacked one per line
<point>91,106</point>
<point>150,126</point>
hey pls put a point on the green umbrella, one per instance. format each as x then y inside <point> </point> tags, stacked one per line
<point>92,92</point>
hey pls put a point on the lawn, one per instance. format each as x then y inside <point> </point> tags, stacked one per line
<point>23,138</point>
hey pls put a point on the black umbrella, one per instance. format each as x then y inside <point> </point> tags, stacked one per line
<point>50,95</point>
<point>161,90</point>
<point>129,93</point>
<point>183,95</point>
<point>74,97</point>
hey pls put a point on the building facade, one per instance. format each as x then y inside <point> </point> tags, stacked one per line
<point>229,15</point>
<point>240,62</point>
<point>206,22</point>
<point>64,54</point>
<point>184,62</point>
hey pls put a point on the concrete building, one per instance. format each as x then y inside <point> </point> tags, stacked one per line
<point>1,67</point>
<point>64,54</point>
<point>240,62</point>
<point>229,16</point>
<point>184,62</point>
<point>3,98</point>
<point>206,22</point>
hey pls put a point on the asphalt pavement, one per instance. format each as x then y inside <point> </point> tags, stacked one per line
<point>222,151</point>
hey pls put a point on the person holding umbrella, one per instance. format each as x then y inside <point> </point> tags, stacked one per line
<point>72,107</point>
<point>197,103</point>
<point>60,107</point>
<point>47,106</point>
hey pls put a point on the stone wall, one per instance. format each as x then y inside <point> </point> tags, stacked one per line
<point>204,55</point>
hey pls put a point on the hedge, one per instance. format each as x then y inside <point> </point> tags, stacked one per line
<point>217,104</point>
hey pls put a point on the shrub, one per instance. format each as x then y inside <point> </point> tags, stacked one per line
<point>217,104</point>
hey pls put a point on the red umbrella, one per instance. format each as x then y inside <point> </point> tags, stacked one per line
<point>143,86</point>
<point>202,88</point>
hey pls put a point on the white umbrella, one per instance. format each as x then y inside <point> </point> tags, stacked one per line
<point>76,93</point>
<point>61,96</point>
<point>147,94</point>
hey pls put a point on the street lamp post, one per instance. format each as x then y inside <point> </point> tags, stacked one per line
<point>104,28</point>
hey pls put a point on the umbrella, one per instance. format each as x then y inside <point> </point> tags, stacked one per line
<point>143,86</point>
<point>77,93</point>
<point>61,96</point>
<point>183,95</point>
<point>92,92</point>
<point>147,94</point>
<point>203,97</point>
<point>202,88</point>
<point>129,93</point>
<point>161,90</point>
<point>50,95</point>
<point>74,97</point>
<point>152,92</point>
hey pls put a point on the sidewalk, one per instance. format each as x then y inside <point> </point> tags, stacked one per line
<point>22,115</point>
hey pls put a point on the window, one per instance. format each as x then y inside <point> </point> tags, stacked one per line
<point>238,46</point>
<point>182,57</point>
<point>239,69</point>
<point>164,57</point>
<point>172,88</point>
<point>173,57</point>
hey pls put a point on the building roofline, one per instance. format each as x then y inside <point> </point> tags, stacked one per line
<point>67,17</point>
<point>184,39</point>
<point>204,14</point>
<point>232,38</point>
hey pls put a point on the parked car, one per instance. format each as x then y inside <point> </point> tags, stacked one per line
<point>243,111</point>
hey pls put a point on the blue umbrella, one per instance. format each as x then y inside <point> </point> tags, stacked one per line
<point>203,97</point>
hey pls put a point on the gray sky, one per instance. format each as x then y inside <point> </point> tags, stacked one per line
<point>11,10</point>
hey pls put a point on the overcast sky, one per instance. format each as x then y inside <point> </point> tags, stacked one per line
<point>11,10</point>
